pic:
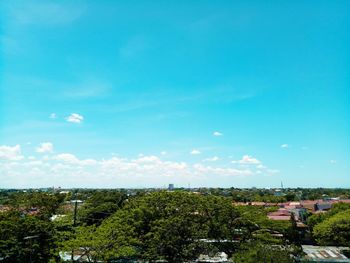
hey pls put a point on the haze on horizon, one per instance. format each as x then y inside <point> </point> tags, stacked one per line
<point>142,94</point>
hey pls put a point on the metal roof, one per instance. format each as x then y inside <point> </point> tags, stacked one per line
<point>325,254</point>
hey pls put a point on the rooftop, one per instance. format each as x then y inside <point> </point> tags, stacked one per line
<point>325,254</point>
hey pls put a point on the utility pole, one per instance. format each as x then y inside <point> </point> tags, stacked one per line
<point>74,219</point>
<point>75,213</point>
<point>30,238</point>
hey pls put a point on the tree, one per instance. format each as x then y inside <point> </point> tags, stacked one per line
<point>99,206</point>
<point>293,233</point>
<point>25,238</point>
<point>334,230</point>
<point>114,238</point>
<point>163,225</point>
<point>46,204</point>
<point>264,253</point>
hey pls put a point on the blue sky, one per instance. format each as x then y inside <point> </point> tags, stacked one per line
<point>146,93</point>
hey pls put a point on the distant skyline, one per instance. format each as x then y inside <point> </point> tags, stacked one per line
<point>147,93</point>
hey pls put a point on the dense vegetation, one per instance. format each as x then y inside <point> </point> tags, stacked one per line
<point>155,225</point>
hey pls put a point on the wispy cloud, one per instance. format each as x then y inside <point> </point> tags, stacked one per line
<point>45,147</point>
<point>211,159</point>
<point>285,146</point>
<point>247,159</point>
<point>216,133</point>
<point>53,116</point>
<point>199,168</point>
<point>75,118</point>
<point>195,152</point>
<point>90,88</point>
<point>11,153</point>
<point>66,167</point>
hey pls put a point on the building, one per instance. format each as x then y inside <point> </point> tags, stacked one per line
<point>324,254</point>
<point>280,214</point>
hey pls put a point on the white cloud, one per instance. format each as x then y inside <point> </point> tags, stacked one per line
<point>147,159</point>
<point>45,147</point>
<point>285,146</point>
<point>10,153</point>
<point>53,116</point>
<point>67,170</point>
<point>212,159</point>
<point>144,166</point>
<point>216,133</point>
<point>72,159</point>
<point>75,118</point>
<point>333,161</point>
<point>163,153</point>
<point>66,157</point>
<point>247,159</point>
<point>202,170</point>
<point>88,162</point>
<point>195,152</point>
<point>260,166</point>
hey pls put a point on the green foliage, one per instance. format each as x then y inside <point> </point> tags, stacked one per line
<point>25,238</point>
<point>338,207</point>
<point>318,219</point>
<point>315,219</point>
<point>172,226</point>
<point>113,239</point>
<point>292,232</point>
<point>257,216</point>
<point>45,203</point>
<point>335,230</point>
<point>99,206</point>
<point>159,225</point>
<point>259,252</point>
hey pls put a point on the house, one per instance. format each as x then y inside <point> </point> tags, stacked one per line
<point>321,205</point>
<point>280,214</point>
